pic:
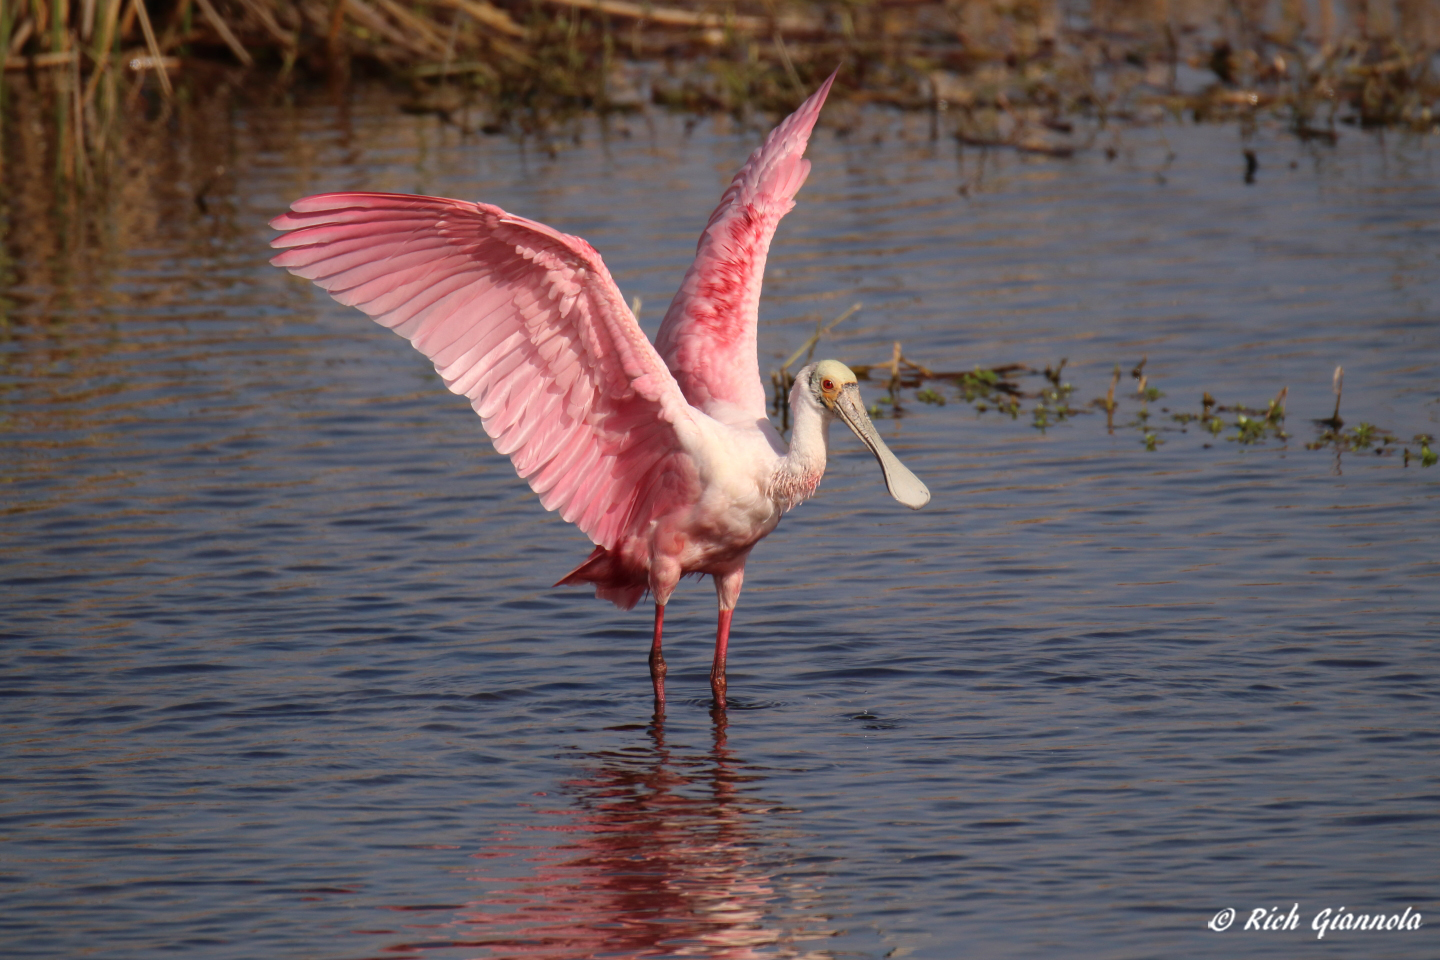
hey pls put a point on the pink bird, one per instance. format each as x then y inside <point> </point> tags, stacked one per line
<point>662,454</point>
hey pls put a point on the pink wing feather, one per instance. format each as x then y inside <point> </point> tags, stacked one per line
<point>708,335</point>
<point>524,321</point>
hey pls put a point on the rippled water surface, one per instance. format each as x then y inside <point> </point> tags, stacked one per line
<point>283,675</point>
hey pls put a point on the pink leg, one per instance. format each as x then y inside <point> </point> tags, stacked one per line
<point>717,669</point>
<point>727,591</point>
<point>657,659</point>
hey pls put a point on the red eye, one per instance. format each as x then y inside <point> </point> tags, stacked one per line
<point>828,384</point>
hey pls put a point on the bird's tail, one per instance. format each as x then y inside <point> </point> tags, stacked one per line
<point>612,580</point>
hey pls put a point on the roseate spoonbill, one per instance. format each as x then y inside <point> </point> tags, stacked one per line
<point>661,453</point>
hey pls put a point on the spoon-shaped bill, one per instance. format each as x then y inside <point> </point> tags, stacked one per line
<point>902,484</point>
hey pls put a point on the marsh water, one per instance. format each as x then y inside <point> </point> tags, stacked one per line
<point>284,676</point>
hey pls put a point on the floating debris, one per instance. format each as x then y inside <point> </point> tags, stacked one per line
<point>1001,389</point>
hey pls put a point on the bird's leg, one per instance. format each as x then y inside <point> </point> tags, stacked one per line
<point>657,660</point>
<point>717,669</point>
<point>727,591</point>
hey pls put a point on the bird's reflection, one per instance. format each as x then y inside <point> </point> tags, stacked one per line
<point>668,854</point>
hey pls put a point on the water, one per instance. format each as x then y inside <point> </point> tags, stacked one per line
<point>284,676</point>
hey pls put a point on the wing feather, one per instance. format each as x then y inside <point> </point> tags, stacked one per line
<point>520,434</point>
<point>708,335</point>
<point>522,320</point>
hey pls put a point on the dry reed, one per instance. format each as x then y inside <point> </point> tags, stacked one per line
<point>998,65</point>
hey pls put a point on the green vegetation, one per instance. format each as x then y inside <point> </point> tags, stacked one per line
<point>1003,390</point>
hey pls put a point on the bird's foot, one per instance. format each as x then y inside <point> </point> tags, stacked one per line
<point>717,689</point>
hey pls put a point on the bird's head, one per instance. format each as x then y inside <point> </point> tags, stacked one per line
<point>835,389</point>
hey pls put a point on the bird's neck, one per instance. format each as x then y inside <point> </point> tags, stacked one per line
<point>798,473</point>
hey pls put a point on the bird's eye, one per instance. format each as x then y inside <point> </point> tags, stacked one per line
<point>828,384</point>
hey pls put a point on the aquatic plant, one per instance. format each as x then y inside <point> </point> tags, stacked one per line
<point>1002,389</point>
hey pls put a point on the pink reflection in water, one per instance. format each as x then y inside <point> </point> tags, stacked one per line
<point>668,854</point>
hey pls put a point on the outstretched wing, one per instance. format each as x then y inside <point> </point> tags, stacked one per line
<point>524,321</point>
<point>708,336</point>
